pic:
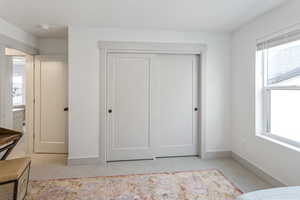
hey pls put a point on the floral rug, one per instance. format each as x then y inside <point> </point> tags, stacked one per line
<point>190,185</point>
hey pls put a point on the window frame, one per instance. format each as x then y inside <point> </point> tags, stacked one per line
<point>266,101</point>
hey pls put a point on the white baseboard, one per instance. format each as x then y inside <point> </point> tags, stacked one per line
<point>207,155</point>
<point>216,154</point>
<point>85,161</point>
<point>48,156</point>
<point>260,173</point>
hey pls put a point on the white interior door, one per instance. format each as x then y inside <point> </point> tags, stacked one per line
<point>175,102</point>
<point>129,107</point>
<point>51,102</point>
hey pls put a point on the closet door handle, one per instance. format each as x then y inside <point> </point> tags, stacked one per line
<point>66,109</point>
<point>110,111</point>
<point>195,109</point>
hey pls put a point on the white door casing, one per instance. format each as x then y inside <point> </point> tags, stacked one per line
<point>114,47</point>
<point>50,135</point>
<point>2,72</point>
<point>29,111</point>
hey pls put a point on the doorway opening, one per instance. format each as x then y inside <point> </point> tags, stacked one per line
<point>34,101</point>
<point>15,113</point>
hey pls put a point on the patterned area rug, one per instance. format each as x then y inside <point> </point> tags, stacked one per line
<point>190,185</point>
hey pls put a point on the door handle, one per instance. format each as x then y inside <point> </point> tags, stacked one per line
<point>110,111</point>
<point>66,109</point>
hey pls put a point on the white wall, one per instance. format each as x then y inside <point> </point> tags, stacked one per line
<point>276,160</point>
<point>16,33</point>
<point>53,46</point>
<point>84,83</point>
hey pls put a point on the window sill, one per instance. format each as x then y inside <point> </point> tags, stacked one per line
<point>278,142</point>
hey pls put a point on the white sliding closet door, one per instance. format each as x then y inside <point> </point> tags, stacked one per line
<point>129,107</point>
<point>176,105</point>
<point>151,106</point>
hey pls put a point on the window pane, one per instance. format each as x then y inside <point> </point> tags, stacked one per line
<point>18,81</point>
<point>285,114</point>
<point>284,64</point>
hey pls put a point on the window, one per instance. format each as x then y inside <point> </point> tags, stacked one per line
<point>18,81</point>
<point>278,62</point>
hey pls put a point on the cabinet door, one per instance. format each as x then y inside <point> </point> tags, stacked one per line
<point>128,108</point>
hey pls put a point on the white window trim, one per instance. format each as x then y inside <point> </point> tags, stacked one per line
<point>266,108</point>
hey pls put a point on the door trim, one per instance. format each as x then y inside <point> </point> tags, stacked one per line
<point>106,47</point>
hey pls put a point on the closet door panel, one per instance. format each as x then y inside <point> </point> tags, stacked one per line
<point>129,90</point>
<point>177,99</point>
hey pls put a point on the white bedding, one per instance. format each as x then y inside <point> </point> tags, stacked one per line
<point>284,193</point>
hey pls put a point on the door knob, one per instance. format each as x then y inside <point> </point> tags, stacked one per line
<point>66,109</point>
<point>195,109</point>
<point>110,111</point>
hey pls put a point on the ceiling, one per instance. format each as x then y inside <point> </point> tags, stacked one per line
<point>179,15</point>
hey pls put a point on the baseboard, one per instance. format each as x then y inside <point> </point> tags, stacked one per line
<point>207,155</point>
<point>49,156</point>
<point>260,173</point>
<point>84,161</point>
<point>216,154</point>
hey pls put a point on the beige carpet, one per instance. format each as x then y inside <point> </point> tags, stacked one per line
<point>190,185</point>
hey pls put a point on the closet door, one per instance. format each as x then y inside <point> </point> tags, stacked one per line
<point>128,109</point>
<point>175,105</point>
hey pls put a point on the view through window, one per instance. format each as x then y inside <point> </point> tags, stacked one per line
<point>18,80</point>
<point>280,59</point>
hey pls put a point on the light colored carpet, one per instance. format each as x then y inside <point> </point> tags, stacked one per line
<point>189,185</point>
